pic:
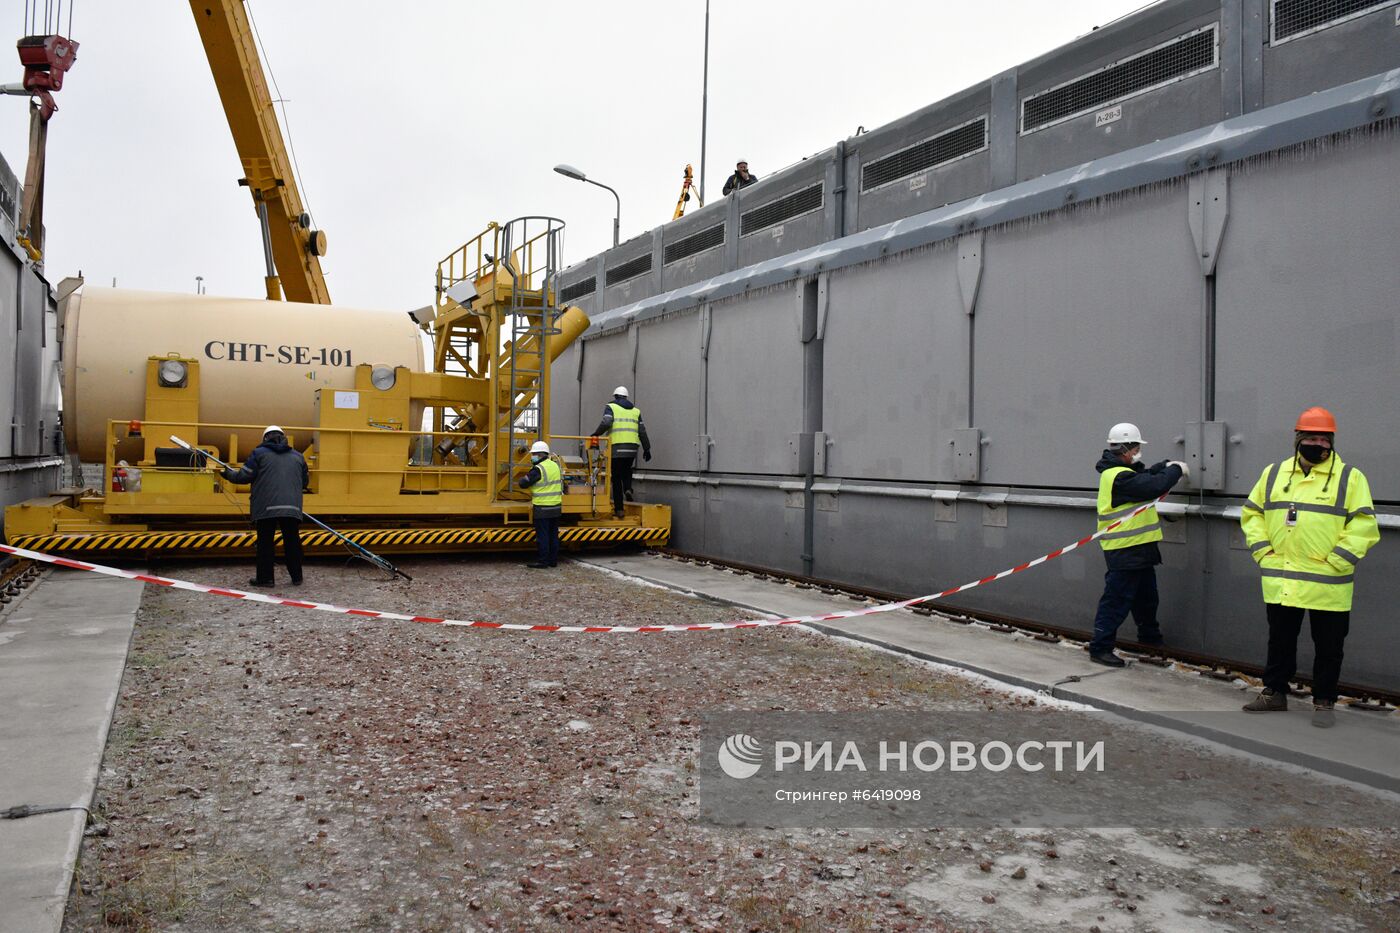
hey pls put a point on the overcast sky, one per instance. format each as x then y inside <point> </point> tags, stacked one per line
<point>415,123</point>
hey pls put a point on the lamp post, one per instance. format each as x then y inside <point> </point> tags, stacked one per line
<point>568,171</point>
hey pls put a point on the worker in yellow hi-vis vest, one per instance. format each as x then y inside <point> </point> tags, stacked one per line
<point>546,484</point>
<point>622,423</point>
<point>1308,522</point>
<point>1130,549</point>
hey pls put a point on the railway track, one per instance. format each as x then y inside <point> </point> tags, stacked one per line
<point>1358,695</point>
<point>15,575</point>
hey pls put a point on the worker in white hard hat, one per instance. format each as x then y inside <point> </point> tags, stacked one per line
<point>622,423</point>
<point>278,476</point>
<point>546,484</point>
<point>1130,548</point>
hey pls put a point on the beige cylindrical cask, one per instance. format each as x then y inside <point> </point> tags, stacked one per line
<point>260,362</point>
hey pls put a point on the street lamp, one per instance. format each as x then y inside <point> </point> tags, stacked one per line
<point>568,171</point>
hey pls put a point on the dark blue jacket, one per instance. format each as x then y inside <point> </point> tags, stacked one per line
<point>278,474</point>
<point>1144,484</point>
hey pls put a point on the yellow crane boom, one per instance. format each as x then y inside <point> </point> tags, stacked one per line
<point>291,247</point>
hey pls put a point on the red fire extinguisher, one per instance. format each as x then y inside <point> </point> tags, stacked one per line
<point>118,479</point>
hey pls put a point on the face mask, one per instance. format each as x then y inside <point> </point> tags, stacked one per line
<point>1314,453</point>
<point>1137,456</point>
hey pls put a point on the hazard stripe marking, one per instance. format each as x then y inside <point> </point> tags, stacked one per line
<point>570,629</point>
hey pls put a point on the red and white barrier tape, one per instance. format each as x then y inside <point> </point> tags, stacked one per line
<point>582,629</point>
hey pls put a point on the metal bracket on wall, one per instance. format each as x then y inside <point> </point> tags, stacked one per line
<point>994,508</point>
<point>1205,454</point>
<point>967,454</point>
<point>945,505</point>
<point>703,444</point>
<point>970,250</point>
<point>635,337</point>
<point>1208,207</point>
<point>823,303</point>
<point>706,319</point>
<point>820,443</point>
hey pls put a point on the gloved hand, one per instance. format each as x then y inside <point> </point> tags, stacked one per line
<point>646,455</point>
<point>1185,470</point>
<point>1157,467</point>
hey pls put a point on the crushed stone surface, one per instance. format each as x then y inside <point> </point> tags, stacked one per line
<point>272,768</point>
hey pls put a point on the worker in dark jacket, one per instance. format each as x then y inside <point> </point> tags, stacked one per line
<point>1130,548</point>
<point>741,177</point>
<point>546,484</point>
<point>278,475</point>
<point>622,423</point>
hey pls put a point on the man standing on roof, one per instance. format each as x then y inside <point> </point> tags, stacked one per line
<point>546,484</point>
<point>278,475</point>
<point>1130,549</point>
<point>741,177</point>
<point>1308,522</point>
<point>622,423</point>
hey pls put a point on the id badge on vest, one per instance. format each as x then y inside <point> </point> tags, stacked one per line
<point>1292,518</point>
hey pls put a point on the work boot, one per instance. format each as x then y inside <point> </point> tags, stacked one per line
<point>265,584</point>
<point>537,565</point>
<point>1323,715</point>
<point>1107,659</point>
<point>1268,701</point>
<point>618,515</point>
<point>1152,641</point>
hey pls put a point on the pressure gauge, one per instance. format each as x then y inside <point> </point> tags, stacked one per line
<point>173,373</point>
<point>382,378</point>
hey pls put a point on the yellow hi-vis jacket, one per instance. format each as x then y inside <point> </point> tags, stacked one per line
<point>1140,529</point>
<point>1310,564</point>
<point>624,424</point>
<point>550,489</point>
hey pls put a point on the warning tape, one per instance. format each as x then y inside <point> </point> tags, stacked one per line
<point>581,629</point>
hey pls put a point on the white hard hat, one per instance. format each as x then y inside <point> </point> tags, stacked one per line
<point>272,429</point>
<point>620,390</point>
<point>539,447</point>
<point>1125,433</point>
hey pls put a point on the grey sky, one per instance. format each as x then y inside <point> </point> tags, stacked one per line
<point>416,123</point>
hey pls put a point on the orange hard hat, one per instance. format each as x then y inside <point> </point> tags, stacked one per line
<point>1316,420</point>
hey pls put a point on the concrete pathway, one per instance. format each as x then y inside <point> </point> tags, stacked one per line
<point>1362,747</point>
<point>63,647</point>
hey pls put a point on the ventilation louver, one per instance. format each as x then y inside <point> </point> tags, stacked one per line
<point>1171,61</point>
<point>630,269</point>
<point>945,147</point>
<point>580,288</point>
<point>780,210</point>
<point>1289,19</point>
<point>708,238</point>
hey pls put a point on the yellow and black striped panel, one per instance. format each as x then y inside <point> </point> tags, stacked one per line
<point>316,541</point>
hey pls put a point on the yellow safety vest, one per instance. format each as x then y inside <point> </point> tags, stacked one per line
<point>1140,529</point>
<point>1310,564</point>
<point>624,425</point>
<point>550,489</point>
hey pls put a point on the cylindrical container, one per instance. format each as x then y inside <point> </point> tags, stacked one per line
<point>260,362</point>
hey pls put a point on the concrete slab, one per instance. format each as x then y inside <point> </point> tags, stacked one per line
<point>1362,747</point>
<point>62,652</point>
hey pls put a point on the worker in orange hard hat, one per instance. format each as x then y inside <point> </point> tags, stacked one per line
<point>1308,522</point>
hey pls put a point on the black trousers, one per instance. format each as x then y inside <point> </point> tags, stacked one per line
<point>1126,591</point>
<point>1329,631</point>
<point>291,547</point>
<point>621,479</point>
<point>547,539</point>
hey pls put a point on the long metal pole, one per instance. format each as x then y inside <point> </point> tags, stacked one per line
<point>704,101</point>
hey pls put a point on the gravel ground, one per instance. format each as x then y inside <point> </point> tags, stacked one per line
<point>272,768</point>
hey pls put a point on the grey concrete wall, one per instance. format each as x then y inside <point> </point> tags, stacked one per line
<point>956,394</point>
